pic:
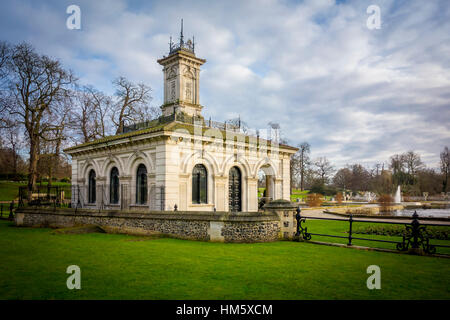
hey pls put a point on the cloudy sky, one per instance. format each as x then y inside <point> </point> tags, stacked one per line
<point>355,94</point>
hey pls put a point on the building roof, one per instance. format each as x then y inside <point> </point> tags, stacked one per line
<point>168,124</point>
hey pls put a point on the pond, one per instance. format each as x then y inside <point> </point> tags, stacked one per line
<point>437,213</point>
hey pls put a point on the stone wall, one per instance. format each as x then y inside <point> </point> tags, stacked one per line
<point>205,226</point>
<point>285,211</point>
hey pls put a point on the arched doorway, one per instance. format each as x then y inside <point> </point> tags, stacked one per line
<point>114,186</point>
<point>141,185</point>
<point>235,189</point>
<point>92,188</point>
<point>266,185</point>
<point>199,184</point>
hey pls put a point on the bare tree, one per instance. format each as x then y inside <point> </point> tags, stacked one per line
<point>300,162</point>
<point>429,181</point>
<point>376,171</point>
<point>323,168</point>
<point>404,168</point>
<point>13,140</point>
<point>130,103</point>
<point>37,84</point>
<point>360,178</point>
<point>5,57</point>
<point>54,138</point>
<point>92,111</point>
<point>413,162</point>
<point>445,168</point>
<point>342,178</point>
<point>397,163</point>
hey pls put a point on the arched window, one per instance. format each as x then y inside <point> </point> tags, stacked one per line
<point>199,184</point>
<point>91,186</point>
<point>141,185</point>
<point>114,186</point>
<point>235,189</point>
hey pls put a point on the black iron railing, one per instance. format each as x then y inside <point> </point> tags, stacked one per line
<point>77,197</point>
<point>231,125</point>
<point>56,196</point>
<point>7,210</point>
<point>414,238</point>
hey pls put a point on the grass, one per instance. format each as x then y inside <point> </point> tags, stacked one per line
<point>34,262</point>
<point>9,190</point>
<point>296,194</point>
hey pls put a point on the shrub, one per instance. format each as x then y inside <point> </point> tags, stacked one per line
<point>65,179</point>
<point>441,233</point>
<point>314,200</point>
<point>385,201</point>
<point>339,197</point>
<point>361,211</point>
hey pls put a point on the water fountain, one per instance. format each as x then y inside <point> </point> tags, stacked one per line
<point>398,196</point>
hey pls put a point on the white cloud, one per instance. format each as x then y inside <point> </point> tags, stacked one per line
<point>354,94</point>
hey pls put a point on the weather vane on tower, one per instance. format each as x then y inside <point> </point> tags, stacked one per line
<point>181,45</point>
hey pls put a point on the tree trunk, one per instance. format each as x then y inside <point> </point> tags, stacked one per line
<point>15,159</point>
<point>34,143</point>
<point>55,163</point>
<point>302,179</point>
<point>302,171</point>
<point>50,173</point>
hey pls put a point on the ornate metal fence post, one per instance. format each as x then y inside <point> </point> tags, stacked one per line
<point>350,230</point>
<point>78,198</point>
<point>21,194</point>
<point>415,238</point>
<point>415,231</point>
<point>11,208</point>
<point>298,217</point>
<point>301,232</point>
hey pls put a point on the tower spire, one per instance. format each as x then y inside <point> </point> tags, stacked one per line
<point>181,34</point>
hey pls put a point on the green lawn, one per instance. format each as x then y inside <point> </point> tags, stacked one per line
<point>9,190</point>
<point>34,261</point>
<point>296,194</point>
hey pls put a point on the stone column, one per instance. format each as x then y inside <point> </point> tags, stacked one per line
<point>269,187</point>
<point>221,193</point>
<point>252,196</point>
<point>102,193</point>
<point>127,195</point>
<point>80,190</point>
<point>277,186</point>
<point>286,212</point>
<point>286,178</point>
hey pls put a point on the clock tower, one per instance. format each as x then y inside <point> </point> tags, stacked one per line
<point>181,78</point>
